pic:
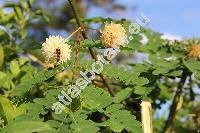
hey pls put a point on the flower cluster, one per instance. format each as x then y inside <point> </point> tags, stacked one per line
<point>194,52</point>
<point>113,34</point>
<point>56,50</point>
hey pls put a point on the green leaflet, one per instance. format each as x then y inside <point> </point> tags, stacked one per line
<point>84,126</point>
<point>164,67</point>
<point>154,41</point>
<point>28,127</point>
<point>127,77</point>
<point>140,90</point>
<point>121,119</point>
<point>14,67</point>
<point>39,77</point>
<point>95,98</point>
<point>122,95</point>
<point>6,109</point>
<point>6,80</point>
<point>193,66</point>
<point>81,124</point>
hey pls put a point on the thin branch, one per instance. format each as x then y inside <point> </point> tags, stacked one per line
<point>73,33</point>
<point>173,108</point>
<point>192,95</point>
<point>92,51</point>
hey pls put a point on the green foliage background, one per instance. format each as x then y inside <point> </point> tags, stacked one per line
<point>28,90</point>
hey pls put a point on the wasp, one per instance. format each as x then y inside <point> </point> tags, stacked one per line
<point>57,52</point>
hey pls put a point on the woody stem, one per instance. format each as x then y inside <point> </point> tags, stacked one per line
<point>92,51</point>
<point>173,108</point>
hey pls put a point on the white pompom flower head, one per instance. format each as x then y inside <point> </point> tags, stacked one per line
<point>113,34</point>
<point>56,50</point>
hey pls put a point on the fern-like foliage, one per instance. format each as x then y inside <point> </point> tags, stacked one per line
<point>108,104</point>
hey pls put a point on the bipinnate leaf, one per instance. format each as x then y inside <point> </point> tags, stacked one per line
<point>96,98</point>
<point>121,119</point>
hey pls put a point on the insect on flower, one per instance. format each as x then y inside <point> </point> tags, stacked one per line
<point>57,55</point>
<point>56,50</point>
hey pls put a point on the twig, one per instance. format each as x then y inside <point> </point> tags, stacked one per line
<point>173,108</point>
<point>73,33</point>
<point>92,51</point>
<point>192,95</point>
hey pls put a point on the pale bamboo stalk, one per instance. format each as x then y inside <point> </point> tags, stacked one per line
<point>146,114</point>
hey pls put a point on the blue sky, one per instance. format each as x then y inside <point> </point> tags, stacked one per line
<point>179,18</point>
<point>175,17</point>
